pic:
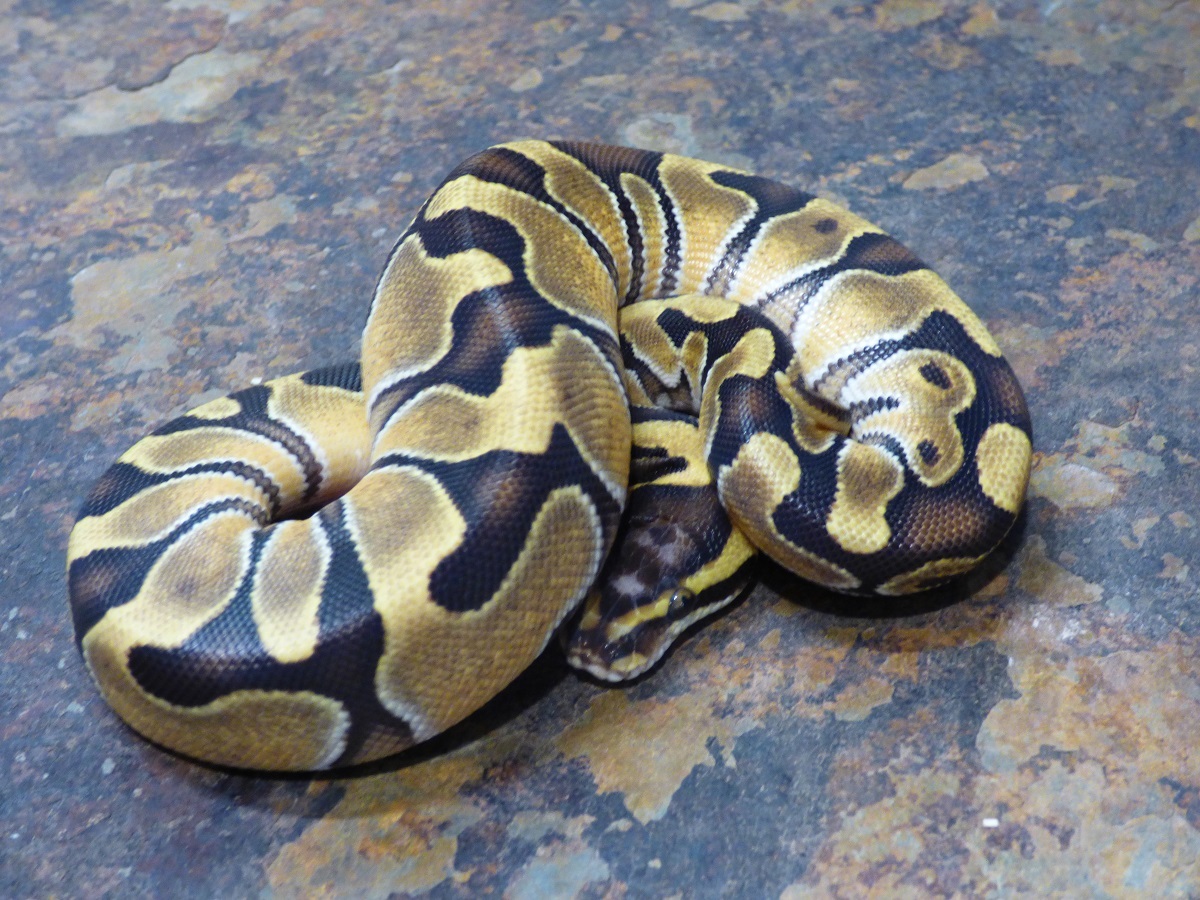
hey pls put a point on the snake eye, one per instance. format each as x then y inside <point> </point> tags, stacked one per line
<point>679,602</point>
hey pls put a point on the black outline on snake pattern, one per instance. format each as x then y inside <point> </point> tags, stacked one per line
<point>332,566</point>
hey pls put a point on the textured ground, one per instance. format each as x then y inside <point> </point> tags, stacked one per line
<point>198,192</point>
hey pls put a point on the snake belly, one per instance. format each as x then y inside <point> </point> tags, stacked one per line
<point>329,567</point>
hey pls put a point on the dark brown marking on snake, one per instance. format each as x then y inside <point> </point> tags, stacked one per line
<point>879,253</point>
<point>255,417</point>
<point>511,169</point>
<point>771,200</point>
<point>609,167</point>
<point>871,252</point>
<point>112,576</point>
<point>511,487</point>
<point>347,376</point>
<point>936,375</point>
<point>929,452</point>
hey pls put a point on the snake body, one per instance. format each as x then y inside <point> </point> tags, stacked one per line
<point>331,566</point>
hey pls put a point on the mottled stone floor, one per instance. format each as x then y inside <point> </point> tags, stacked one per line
<point>199,192</point>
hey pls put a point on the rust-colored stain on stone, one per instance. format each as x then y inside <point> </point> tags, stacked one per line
<point>199,193</point>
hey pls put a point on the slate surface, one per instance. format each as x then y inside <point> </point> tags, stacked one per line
<point>199,192</point>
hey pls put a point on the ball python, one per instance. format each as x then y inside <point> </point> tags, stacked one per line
<point>329,567</point>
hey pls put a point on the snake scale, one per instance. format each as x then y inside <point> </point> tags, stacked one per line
<point>332,566</point>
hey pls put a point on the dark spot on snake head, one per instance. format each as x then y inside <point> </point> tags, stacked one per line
<point>929,452</point>
<point>935,375</point>
<point>825,226</point>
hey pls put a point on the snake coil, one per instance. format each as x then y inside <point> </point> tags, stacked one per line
<point>331,566</point>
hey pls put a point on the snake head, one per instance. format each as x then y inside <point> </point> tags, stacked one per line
<point>663,576</point>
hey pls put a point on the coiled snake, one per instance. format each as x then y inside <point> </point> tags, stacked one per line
<point>332,566</point>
